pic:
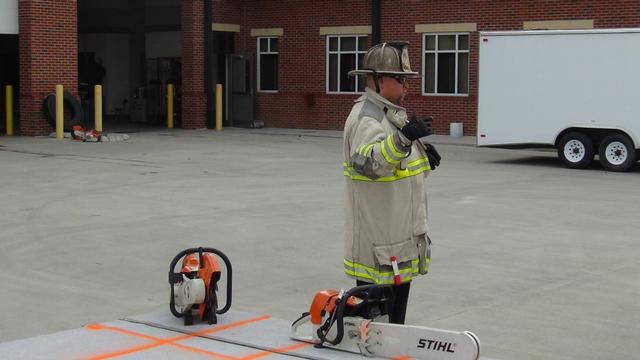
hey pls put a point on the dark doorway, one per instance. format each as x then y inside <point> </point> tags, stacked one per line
<point>222,51</point>
<point>242,91</point>
<point>137,43</point>
<point>9,75</point>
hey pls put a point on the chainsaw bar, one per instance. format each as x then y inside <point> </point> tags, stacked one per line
<point>362,336</point>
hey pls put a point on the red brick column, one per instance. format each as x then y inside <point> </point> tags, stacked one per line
<point>194,101</point>
<point>48,56</point>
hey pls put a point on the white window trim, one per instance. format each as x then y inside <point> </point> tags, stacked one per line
<point>356,52</point>
<point>269,52</point>
<point>436,51</point>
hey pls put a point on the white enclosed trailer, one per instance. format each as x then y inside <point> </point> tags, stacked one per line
<point>575,90</point>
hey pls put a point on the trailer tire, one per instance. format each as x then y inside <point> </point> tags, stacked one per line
<point>617,152</point>
<point>576,150</point>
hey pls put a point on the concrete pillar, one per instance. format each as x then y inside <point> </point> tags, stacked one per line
<point>48,56</point>
<point>137,41</point>
<point>194,101</point>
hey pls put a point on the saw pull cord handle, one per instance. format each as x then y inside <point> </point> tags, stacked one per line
<point>324,329</point>
<point>338,315</point>
<point>177,277</point>
<point>227,263</point>
<point>365,292</point>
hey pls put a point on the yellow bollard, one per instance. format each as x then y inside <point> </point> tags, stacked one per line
<point>9,109</point>
<point>218,107</point>
<point>59,112</point>
<point>97,94</point>
<point>170,106</point>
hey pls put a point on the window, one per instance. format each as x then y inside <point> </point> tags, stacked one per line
<point>445,64</point>
<point>267,64</point>
<point>345,53</point>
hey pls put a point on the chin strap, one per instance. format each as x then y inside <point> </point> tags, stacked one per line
<point>375,80</point>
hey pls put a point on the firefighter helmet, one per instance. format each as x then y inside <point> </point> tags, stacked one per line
<point>387,58</point>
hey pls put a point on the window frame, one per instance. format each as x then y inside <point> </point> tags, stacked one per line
<point>436,51</point>
<point>258,67</point>
<point>328,52</point>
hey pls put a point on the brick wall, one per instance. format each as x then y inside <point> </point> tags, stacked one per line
<point>48,56</point>
<point>48,51</point>
<point>194,102</point>
<point>301,101</point>
<point>489,16</point>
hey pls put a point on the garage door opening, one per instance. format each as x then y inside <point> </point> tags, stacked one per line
<point>9,75</point>
<point>133,49</point>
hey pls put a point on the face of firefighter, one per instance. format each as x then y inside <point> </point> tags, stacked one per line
<point>393,88</point>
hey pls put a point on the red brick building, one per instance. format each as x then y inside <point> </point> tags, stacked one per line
<point>288,58</point>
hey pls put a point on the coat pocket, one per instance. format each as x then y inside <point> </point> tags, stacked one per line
<point>403,251</point>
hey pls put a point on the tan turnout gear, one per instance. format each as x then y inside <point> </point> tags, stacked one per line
<point>385,208</point>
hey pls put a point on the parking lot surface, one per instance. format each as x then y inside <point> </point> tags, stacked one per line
<point>540,261</point>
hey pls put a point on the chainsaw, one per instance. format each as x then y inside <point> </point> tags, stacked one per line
<point>357,321</point>
<point>194,287</point>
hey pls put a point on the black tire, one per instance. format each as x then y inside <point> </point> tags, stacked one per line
<point>576,150</point>
<point>75,110</point>
<point>617,152</point>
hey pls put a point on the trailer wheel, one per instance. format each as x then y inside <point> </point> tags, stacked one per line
<point>576,150</point>
<point>617,153</point>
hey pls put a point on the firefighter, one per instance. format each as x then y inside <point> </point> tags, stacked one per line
<point>385,165</point>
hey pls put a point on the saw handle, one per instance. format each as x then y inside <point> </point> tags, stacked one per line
<point>341,304</point>
<point>177,277</point>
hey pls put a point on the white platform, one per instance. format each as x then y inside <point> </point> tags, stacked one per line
<point>159,335</point>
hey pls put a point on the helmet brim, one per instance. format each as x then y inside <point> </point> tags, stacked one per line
<point>411,74</point>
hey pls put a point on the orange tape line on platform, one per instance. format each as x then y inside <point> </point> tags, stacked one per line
<point>171,341</point>
<point>282,350</point>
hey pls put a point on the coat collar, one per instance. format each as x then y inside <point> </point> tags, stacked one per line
<point>394,113</point>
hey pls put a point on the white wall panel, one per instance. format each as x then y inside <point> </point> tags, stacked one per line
<point>8,16</point>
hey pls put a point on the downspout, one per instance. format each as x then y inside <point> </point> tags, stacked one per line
<point>375,22</point>
<point>208,84</point>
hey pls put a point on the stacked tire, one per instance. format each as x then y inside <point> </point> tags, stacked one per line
<point>76,114</point>
<point>616,151</point>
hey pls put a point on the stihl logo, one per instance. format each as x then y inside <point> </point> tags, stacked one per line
<point>436,345</point>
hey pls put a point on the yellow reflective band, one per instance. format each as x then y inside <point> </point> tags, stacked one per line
<point>423,162</point>
<point>395,151</point>
<point>419,161</point>
<point>385,153</point>
<point>399,174</point>
<point>360,271</point>
<point>414,264</point>
<point>419,165</point>
<point>420,169</point>
<point>365,149</point>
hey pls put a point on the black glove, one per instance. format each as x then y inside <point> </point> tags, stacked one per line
<point>432,154</point>
<point>417,128</point>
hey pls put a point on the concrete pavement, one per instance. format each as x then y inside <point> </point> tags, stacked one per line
<point>538,260</point>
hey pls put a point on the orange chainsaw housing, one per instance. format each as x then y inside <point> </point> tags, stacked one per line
<point>210,268</point>
<point>325,302</point>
